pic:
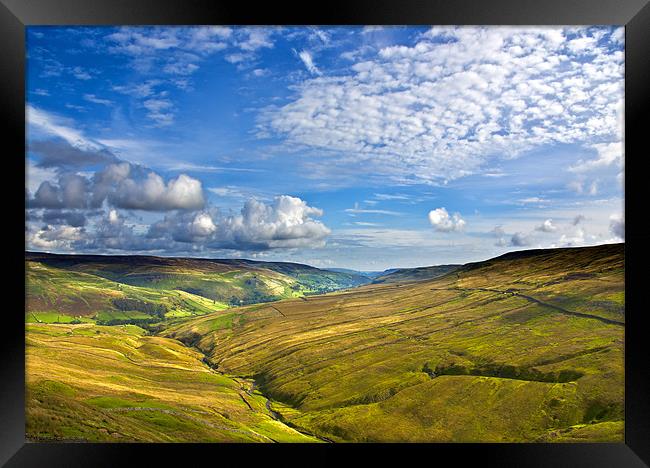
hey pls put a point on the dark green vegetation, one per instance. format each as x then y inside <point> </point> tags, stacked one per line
<point>142,290</point>
<point>524,347</point>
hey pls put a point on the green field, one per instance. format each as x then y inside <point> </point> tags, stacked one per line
<point>527,347</point>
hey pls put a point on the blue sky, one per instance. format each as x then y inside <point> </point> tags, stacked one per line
<point>365,148</point>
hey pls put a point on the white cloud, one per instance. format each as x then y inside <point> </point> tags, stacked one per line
<point>237,58</point>
<point>113,217</point>
<point>308,61</point>
<point>608,153</point>
<point>81,74</point>
<point>358,210</point>
<point>94,99</point>
<point>153,194</point>
<point>256,38</point>
<point>259,72</point>
<point>441,221</point>
<point>159,111</point>
<point>581,186</point>
<point>55,237</point>
<point>547,226</point>
<point>285,223</point>
<point>575,238</point>
<point>123,186</point>
<point>53,125</point>
<point>363,223</point>
<point>391,196</point>
<point>532,200</point>
<point>440,109</point>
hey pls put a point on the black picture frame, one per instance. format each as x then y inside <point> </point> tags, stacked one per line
<point>634,14</point>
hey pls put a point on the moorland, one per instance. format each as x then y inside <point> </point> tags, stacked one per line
<point>526,347</point>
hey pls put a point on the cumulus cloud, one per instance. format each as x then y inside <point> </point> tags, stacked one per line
<point>64,217</point>
<point>153,194</point>
<point>443,222</point>
<point>547,226</point>
<point>123,186</point>
<point>441,108</point>
<point>575,238</point>
<point>520,239</point>
<point>500,235</point>
<point>184,227</point>
<point>287,222</point>
<point>617,226</point>
<point>70,192</point>
<point>607,154</point>
<point>113,233</point>
<point>55,237</point>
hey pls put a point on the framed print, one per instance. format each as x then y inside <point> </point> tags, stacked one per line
<point>374,227</point>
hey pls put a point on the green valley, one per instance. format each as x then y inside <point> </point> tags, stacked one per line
<point>526,347</point>
<point>138,290</point>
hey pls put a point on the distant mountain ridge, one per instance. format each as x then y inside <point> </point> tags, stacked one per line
<point>145,289</point>
<point>368,274</point>
<point>414,274</point>
<point>115,263</point>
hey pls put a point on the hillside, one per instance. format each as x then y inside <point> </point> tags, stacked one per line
<point>116,384</point>
<point>524,347</point>
<point>369,274</point>
<point>68,296</point>
<point>402,275</point>
<point>64,288</point>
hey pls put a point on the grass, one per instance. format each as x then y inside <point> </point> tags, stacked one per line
<point>56,295</point>
<point>221,282</point>
<point>95,383</point>
<point>526,347</point>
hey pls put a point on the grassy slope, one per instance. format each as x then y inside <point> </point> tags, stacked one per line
<point>59,295</point>
<point>415,274</point>
<point>526,347</point>
<point>226,281</point>
<point>88,382</point>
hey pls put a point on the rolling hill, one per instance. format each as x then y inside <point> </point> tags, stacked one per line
<point>116,384</point>
<point>140,289</point>
<point>524,347</point>
<point>407,275</point>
